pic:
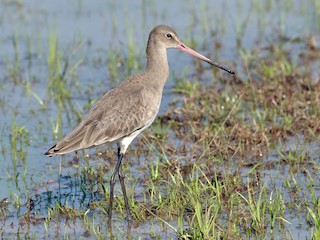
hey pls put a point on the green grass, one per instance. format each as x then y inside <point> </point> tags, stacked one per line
<point>20,141</point>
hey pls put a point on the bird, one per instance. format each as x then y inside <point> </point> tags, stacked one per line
<point>128,109</point>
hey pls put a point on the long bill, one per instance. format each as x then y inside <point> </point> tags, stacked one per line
<point>184,48</point>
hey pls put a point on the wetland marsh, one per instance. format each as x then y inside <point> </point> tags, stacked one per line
<point>227,158</point>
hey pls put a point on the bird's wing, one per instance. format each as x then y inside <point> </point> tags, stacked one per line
<point>117,114</point>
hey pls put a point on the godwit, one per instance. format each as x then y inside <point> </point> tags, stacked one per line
<point>125,111</point>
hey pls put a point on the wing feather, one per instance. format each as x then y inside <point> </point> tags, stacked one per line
<point>116,115</point>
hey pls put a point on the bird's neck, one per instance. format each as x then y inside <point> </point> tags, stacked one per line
<point>157,65</point>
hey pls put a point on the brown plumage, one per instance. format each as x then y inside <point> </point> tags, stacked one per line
<point>124,112</point>
<point>119,113</point>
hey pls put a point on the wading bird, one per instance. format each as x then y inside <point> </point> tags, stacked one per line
<point>125,111</point>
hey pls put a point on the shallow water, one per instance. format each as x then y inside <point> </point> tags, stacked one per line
<point>86,31</point>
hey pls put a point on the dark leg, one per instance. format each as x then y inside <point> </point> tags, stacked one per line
<point>123,187</point>
<point>112,182</point>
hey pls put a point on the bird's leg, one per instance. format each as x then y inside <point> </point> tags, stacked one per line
<point>123,187</point>
<point>112,182</point>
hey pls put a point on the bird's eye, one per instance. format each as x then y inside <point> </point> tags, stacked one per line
<point>169,35</point>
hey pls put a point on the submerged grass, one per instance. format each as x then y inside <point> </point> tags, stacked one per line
<point>62,77</point>
<point>19,142</point>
